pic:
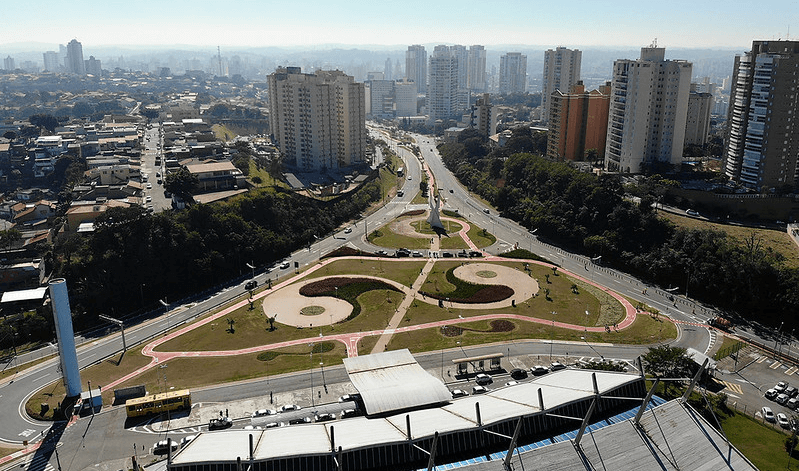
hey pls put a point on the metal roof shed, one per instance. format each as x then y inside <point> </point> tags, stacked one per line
<point>393,381</point>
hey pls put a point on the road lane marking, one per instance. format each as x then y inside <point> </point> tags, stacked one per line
<point>791,370</point>
<point>775,365</point>
<point>732,387</point>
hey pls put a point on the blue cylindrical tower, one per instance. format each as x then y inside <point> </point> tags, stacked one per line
<point>66,337</point>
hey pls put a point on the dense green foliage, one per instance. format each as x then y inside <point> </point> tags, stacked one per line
<point>591,215</point>
<point>134,259</point>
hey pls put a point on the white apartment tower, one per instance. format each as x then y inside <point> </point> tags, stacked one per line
<point>476,76</point>
<point>512,73</point>
<point>762,142</point>
<point>461,54</point>
<point>318,121</point>
<point>388,74</point>
<point>648,109</point>
<point>405,93</point>
<point>561,72</point>
<point>8,63</point>
<point>51,61</point>
<point>416,66</point>
<point>445,99</point>
<point>74,59</point>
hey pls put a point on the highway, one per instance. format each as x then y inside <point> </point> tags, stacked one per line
<point>104,435</point>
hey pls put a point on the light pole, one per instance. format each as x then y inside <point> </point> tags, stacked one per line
<point>252,268</point>
<point>552,337</point>
<point>311,373</point>
<point>166,307</point>
<point>778,335</point>
<point>324,383</point>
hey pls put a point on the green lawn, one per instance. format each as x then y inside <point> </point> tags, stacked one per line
<point>403,271</point>
<point>480,237</point>
<point>761,444</point>
<point>419,199</point>
<point>384,237</point>
<point>424,227</point>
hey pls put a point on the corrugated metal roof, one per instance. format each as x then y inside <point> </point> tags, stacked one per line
<point>393,381</point>
<point>24,295</point>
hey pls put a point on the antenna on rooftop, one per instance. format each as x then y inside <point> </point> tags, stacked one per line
<point>654,43</point>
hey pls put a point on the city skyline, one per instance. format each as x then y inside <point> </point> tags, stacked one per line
<point>248,23</point>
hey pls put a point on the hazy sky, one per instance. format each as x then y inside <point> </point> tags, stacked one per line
<point>708,23</point>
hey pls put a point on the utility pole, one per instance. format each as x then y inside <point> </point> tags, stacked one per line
<point>121,327</point>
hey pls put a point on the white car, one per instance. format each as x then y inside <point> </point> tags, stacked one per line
<point>482,379</point>
<point>149,186</point>
<point>264,412</point>
<point>768,414</point>
<point>284,265</point>
<point>290,407</point>
<point>162,447</point>
<point>511,383</point>
<point>186,440</point>
<point>479,390</point>
<point>348,230</point>
<point>459,393</point>
<point>782,419</point>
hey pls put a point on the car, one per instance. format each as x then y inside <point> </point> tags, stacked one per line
<point>539,370</point>
<point>416,253</point>
<point>348,413</point>
<point>349,397</point>
<point>487,211</point>
<point>410,178</point>
<point>158,174</point>
<point>782,419</point>
<point>451,190</point>
<point>186,440</point>
<point>220,423</point>
<point>782,398</point>
<point>692,212</point>
<point>780,387</point>
<point>399,254</point>
<point>149,186</point>
<point>482,379</point>
<point>348,230</point>
<point>252,427</point>
<point>274,424</point>
<point>768,414</point>
<point>555,366</point>
<point>479,390</point>
<point>326,417</point>
<point>792,403</point>
<point>771,394</point>
<point>791,391</point>
<point>251,285</point>
<point>463,254</point>
<point>518,373</point>
<point>284,265</point>
<point>511,383</point>
<point>264,412</point>
<point>289,407</point>
<point>299,421</point>
<point>160,181</point>
<point>400,193</point>
<point>456,393</point>
<point>144,176</point>
<point>447,254</point>
<point>148,198</point>
<point>475,253</point>
<point>163,446</point>
<point>381,253</point>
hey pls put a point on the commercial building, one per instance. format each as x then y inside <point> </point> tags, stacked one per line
<point>318,121</point>
<point>578,122</point>
<point>476,74</point>
<point>648,110</point>
<point>561,72</point>
<point>697,121</point>
<point>762,144</point>
<point>74,59</point>
<point>512,73</point>
<point>416,66</point>
<point>445,98</point>
<point>405,103</point>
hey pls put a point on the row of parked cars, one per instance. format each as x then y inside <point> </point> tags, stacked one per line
<point>403,252</point>
<point>484,379</point>
<point>781,393</point>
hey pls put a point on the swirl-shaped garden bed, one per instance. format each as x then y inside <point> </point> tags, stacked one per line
<point>346,288</point>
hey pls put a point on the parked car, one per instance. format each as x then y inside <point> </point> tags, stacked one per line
<point>400,193</point>
<point>348,413</point>
<point>220,423</point>
<point>487,211</point>
<point>479,390</point>
<point>692,212</point>
<point>791,391</point>
<point>289,407</point>
<point>162,447</point>
<point>792,403</point>
<point>518,373</point>
<point>768,414</point>
<point>539,370</point>
<point>771,394</point>
<point>463,254</point>
<point>511,383</point>
<point>324,417</point>
<point>382,253</point>
<point>416,253</point>
<point>782,419</point>
<point>482,379</point>
<point>274,424</point>
<point>300,420</point>
<point>251,285</point>
<point>475,254</point>
<point>780,387</point>
<point>264,412</point>
<point>349,397</point>
<point>186,440</point>
<point>446,254</point>
<point>555,366</point>
<point>348,230</point>
<point>782,398</point>
<point>451,190</point>
<point>456,393</point>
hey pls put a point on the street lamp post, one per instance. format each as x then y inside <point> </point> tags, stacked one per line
<point>778,336</point>
<point>252,268</point>
<point>311,373</point>
<point>552,337</point>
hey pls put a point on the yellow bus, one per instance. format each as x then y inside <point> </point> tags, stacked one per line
<point>158,403</point>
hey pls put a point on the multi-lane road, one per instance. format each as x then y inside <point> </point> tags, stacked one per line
<point>103,435</point>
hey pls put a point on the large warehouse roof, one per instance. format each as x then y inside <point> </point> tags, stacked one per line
<point>393,381</point>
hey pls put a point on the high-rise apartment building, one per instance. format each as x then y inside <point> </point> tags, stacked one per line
<point>762,145</point>
<point>405,94</point>
<point>513,73</point>
<point>8,63</point>
<point>561,72</point>
<point>388,74</point>
<point>648,108</point>
<point>93,66</point>
<point>416,66</point>
<point>578,122</point>
<point>380,98</point>
<point>697,120</point>
<point>52,62</point>
<point>318,121</point>
<point>476,75</point>
<point>485,115</point>
<point>445,99</point>
<point>461,54</point>
<point>74,59</point>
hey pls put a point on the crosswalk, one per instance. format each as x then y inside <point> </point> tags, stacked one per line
<point>40,463</point>
<point>732,387</point>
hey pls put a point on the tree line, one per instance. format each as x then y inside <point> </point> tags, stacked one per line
<point>593,215</point>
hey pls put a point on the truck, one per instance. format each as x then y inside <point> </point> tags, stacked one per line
<point>720,323</point>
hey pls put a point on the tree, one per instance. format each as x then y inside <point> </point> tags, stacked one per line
<point>9,237</point>
<point>181,182</point>
<point>44,121</point>
<point>668,362</point>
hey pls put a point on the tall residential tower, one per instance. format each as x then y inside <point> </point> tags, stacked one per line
<point>762,145</point>
<point>416,66</point>
<point>445,98</point>
<point>512,73</point>
<point>648,109</point>
<point>561,72</point>
<point>74,59</point>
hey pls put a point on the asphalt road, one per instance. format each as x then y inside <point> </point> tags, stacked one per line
<point>104,435</point>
